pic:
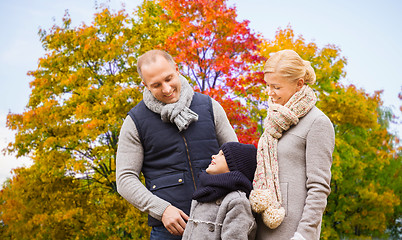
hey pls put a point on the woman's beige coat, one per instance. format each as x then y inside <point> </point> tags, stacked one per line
<point>305,158</point>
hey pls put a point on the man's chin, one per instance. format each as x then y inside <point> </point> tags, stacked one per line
<point>171,100</point>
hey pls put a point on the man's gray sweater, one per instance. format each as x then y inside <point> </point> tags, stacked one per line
<point>130,156</point>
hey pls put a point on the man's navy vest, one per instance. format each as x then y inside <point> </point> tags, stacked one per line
<point>173,159</point>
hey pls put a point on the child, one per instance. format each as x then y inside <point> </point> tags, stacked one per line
<point>220,208</point>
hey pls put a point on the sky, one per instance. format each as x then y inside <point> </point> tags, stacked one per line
<point>368,32</point>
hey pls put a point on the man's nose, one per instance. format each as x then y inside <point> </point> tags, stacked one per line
<point>165,88</point>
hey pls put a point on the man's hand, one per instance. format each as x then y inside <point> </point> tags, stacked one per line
<point>174,220</point>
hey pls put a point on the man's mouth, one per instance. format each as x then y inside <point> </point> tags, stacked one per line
<point>169,94</point>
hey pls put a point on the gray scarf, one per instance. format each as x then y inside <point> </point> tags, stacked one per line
<point>179,112</point>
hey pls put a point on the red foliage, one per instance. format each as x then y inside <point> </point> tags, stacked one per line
<point>216,51</point>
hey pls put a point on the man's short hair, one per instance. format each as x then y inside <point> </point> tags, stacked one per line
<point>150,57</point>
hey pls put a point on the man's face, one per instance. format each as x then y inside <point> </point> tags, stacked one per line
<point>161,78</point>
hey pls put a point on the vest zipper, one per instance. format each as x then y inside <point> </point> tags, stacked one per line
<point>189,161</point>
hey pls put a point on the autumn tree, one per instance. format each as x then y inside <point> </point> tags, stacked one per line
<point>81,92</point>
<point>216,52</point>
<point>38,204</point>
<point>83,88</point>
<point>366,166</point>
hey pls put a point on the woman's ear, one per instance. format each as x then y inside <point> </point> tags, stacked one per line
<point>299,83</point>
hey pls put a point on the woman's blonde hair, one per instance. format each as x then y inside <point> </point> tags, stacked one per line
<point>291,66</point>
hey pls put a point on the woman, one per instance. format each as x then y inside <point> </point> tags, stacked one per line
<point>292,180</point>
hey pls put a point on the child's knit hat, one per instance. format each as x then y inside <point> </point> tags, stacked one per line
<point>241,157</point>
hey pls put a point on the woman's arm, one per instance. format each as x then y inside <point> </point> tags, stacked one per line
<point>319,148</point>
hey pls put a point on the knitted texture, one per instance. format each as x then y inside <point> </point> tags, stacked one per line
<point>266,197</point>
<point>240,157</point>
<point>213,187</point>
<point>179,112</point>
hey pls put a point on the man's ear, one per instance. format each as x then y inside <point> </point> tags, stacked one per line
<point>144,84</point>
<point>177,68</point>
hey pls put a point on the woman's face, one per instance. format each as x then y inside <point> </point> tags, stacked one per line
<point>279,89</point>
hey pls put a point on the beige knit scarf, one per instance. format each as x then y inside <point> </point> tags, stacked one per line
<point>265,198</point>
<point>179,112</point>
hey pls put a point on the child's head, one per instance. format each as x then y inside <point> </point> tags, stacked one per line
<point>234,156</point>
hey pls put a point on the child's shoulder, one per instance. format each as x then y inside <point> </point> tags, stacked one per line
<point>237,201</point>
<point>236,195</point>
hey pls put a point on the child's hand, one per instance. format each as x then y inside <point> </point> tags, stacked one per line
<point>174,220</point>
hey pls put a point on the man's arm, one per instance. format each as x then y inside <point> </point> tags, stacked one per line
<point>224,131</point>
<point>130,157</point>
<point>129,160</point>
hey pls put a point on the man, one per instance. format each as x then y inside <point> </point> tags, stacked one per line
<point>169,137</point>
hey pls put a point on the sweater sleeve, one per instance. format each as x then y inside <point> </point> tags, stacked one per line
<point>129,160</point>
<point>239,222</point>
<point>224,131</point>
<point>319,148</point>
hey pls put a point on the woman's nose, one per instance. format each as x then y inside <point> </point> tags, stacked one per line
<point>270,92</point>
